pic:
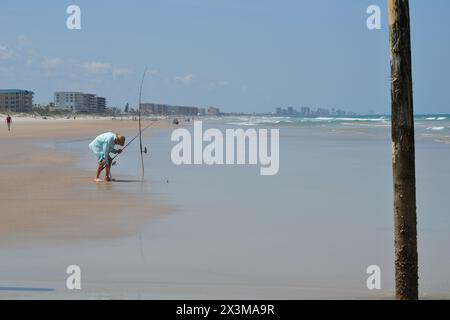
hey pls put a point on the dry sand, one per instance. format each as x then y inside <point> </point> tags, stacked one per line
<point>45,197</point>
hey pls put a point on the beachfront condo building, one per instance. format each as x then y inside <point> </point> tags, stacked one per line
<point>165,109</point>
<point>213,112</point>
<point>79,102</point>
<point>16,100</point>
<point>100,103</point>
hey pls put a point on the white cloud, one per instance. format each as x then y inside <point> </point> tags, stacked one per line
<point>24,41</point>
<point>121,72</point>
<point>184,80</point>
<point>5,53</point>
<point>223,83</point>
<point>49,64</point>
<point>97,67</point>
<point>218,85</point>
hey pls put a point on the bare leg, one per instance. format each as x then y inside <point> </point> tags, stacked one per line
<point>100,168</point>
<point>108,170</point>
<point>107,174</point>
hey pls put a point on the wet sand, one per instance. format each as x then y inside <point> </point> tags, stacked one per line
<point>230,234</point>
<point>45,197</point>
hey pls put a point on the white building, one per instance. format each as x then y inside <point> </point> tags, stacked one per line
<point>70,101</point>
<point>16,100</point>
<point>214,112</point>
<point>79,102</point>
<point>101,104</point>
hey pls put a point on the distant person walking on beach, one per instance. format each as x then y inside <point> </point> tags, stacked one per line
<point>102,146</point>
<point>8,122</point>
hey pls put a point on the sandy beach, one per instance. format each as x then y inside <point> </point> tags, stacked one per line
<point>46,198</point>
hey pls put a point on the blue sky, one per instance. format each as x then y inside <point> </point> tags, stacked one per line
<point>239,55</point>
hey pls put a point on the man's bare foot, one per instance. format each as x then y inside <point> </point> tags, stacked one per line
<point>98,180</point>
<point>107,179</point>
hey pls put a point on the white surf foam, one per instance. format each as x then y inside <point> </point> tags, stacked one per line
<point>436,128</point>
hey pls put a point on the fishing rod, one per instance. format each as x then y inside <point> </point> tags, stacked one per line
<point>134,138</point>
<point>142,151</point>
<point>140,126</point>
<point>129,142</point>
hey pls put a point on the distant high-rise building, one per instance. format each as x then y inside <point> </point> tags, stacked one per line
<point>101,104</point>
<point>323,112</point>
<point>213,111</point>
<point>90,102</point>
<point>305,111</point>
<point>201,111</point>
<point>70,101</point>
<point>79,102</point>
<point>165,109</point>
<point>16,100</point>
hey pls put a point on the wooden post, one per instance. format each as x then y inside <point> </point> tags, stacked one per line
<point>403,152</point>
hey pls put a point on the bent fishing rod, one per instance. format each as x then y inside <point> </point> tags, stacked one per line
<point>129,142</point>
<point>142,151</point>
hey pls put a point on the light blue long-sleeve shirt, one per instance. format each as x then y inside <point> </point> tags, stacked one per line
<point>103,145</point>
